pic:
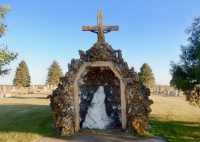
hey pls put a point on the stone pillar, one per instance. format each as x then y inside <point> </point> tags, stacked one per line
<point>120,54</point>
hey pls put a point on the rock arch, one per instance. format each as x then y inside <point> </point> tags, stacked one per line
<point>122,90</point>
<point>134,95</point>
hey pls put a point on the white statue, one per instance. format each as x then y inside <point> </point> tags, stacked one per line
<point>96,117</point>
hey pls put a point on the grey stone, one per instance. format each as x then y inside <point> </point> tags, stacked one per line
<point>7,95</point>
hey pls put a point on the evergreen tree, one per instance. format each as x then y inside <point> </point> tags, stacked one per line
<point>22,77</point>
<point>54,73</point>
<point>146,75</point>
<point>186,73</point>
<point>5,55</point>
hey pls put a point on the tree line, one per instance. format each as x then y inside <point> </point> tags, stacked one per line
<point>22,77</point>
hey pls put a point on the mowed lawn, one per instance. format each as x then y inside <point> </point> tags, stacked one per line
<point>27,117</point>
<point>174,119</point>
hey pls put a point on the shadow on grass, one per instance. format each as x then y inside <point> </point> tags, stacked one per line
<point>34,119</point>
<point>176,131</point>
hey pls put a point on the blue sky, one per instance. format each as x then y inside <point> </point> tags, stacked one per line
<point>150,31</point>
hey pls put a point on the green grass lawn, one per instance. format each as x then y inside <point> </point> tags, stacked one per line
<point>26,118</point>
<point>174,119</point>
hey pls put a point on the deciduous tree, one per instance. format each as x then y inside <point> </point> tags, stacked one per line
<point>5,55</point>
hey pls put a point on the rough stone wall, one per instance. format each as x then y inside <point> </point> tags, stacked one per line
<point>195,96</point>
<point>62,101</point>
<point>137,102</point>
<point>138,106</point>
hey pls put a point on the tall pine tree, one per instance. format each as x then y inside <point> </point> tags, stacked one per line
<point>22,77</point>
<point>54,73</point>
<point>146,75</point>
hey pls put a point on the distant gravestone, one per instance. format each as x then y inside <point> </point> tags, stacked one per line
<point>7,96</point>
<point>156,90</point>
<point>45,88</point>
<point>174,93</point>
<point>30,91</point>
<point>179,93</point>
<point>8,89</point>
<point>167,91</point>
<point>1,95</point>
<point>3,89</point>
<point>160,89</point>
<point>13,89</point>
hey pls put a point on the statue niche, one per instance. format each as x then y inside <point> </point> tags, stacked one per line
<point>96,117</point>
<point>99,99</point>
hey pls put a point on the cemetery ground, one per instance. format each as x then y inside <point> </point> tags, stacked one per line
<point>27,117</point>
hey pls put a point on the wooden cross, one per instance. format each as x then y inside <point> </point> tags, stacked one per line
<point>100,28</point>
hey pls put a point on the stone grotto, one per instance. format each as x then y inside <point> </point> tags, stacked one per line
<point>99,91</point>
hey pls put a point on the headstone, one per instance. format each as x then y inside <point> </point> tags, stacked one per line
<point>174,93</point>
<point>30,91</point>
<point>45,88</point>
<point>7,95</point>
<point>13,89</point>
<point>179,93</point>
<point>167,92</point>
<point>3,89</point>
<point>160,89</point>
<point>156,89</point>
<point>8,89</point>
<point>1,95</point>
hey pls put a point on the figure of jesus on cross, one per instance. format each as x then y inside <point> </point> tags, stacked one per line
<point>101,29</point>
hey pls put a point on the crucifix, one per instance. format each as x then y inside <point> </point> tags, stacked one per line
<point>100,29</point>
